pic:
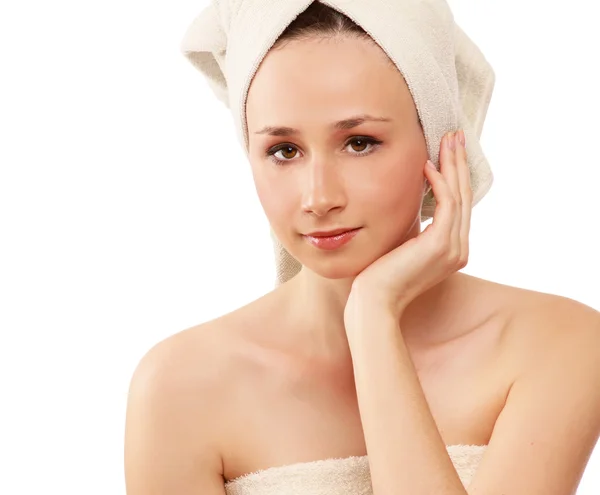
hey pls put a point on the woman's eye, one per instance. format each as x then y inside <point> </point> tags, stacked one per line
<point>287,152</point>
<point>362,142</point>
<point>361,145</point>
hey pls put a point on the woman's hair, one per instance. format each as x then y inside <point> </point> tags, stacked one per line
<point>319,20</point>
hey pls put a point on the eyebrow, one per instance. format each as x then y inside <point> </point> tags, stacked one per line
<point>348,123</point>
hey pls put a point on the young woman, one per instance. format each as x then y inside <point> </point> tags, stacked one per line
<point>378,368</point>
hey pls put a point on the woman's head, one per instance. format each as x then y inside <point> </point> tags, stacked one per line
<point>322,70</point>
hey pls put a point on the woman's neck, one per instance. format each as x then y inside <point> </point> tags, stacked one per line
<point>316,309</point>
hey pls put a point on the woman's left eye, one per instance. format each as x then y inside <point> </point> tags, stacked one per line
<point>363,141</point>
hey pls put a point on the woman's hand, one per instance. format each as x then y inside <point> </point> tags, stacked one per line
<point>399,276</point>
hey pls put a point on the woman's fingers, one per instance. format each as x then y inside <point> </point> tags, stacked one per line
<point>466,193</point>
<point>444,215</point>
<point>462,169</point>
<point>449,170</point>
<point>452,191</point>
<point>448,163</point>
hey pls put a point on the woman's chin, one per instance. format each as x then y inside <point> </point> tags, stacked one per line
<point>336,268</point>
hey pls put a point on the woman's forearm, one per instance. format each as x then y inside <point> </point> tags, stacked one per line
<point>406,452</point>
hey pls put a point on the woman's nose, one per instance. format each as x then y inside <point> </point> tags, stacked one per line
<point>323,188</point>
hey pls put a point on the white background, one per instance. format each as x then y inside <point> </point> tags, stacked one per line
<point>126,201</point>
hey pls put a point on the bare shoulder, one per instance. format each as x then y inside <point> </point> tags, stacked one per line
<point>551,317</point>
<point>551,414</point>
<point>534,324</point>
<point>541,324</point>
<point>201,359</point>
<point>529,310</point>
<point>174,415</point>
<point>185,399</point>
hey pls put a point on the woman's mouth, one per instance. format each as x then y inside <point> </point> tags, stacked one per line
<point>332,242</point>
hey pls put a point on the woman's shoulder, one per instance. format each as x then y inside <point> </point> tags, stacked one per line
<point>208,354</point>
<point>535,309</point>
<point>188,361</point>
<point>179,405</point>
<point>202,355</point>
<point>191,379</point>
<point>536,321</point>
<point>519,302</point>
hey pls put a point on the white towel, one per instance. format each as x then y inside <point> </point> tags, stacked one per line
<point>345,476</point>
<point>450,80</point>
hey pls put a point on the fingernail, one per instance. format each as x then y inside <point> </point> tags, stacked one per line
<point>430,164</point>
<point>461,138</point>
<point>450,141</point>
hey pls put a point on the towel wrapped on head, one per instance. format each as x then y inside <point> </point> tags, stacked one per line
<point>450,80</point>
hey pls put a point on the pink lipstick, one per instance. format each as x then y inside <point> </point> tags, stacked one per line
<point>331,242</point>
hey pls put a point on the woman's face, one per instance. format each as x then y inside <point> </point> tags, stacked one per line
<point>368,175</point>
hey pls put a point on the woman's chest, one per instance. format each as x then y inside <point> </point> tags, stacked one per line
<point>290,413</point>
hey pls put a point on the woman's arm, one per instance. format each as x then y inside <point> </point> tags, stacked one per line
<point>542,439</point>
<point>169,432</point>
<point>406,452</point>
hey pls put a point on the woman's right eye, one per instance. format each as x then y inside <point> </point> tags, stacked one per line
<point>286,151</point>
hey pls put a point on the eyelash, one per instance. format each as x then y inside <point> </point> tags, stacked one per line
<point>372,141</point>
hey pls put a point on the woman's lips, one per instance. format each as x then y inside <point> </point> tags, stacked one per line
<point>332,242</point>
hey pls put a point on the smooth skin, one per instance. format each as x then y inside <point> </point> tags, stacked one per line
<point>537,446</point>
<point>272,383</point>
